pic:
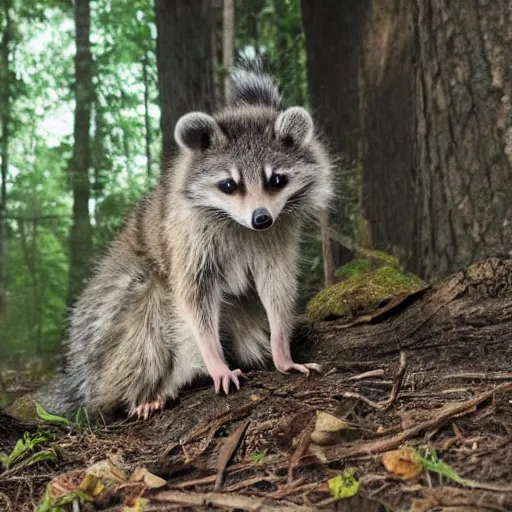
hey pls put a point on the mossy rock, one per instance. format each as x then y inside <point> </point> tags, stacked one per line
<point>363,289</point>
<point>24,409</point>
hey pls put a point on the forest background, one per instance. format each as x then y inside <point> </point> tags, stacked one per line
<point>413,98</point>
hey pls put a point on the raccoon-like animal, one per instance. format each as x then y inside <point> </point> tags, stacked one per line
<point>208,260</point>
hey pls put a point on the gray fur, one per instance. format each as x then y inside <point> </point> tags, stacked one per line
<point>187,272</point>
<point>253,88</point>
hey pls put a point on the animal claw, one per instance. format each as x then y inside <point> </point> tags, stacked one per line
<point>223,380</point>
<point>302,368</point>
<point>144,410</point>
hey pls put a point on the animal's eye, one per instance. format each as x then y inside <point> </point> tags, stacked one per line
<point>227,186</point>
<point>277,181</point>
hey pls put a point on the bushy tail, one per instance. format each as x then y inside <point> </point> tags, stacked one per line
<point>253,86</point>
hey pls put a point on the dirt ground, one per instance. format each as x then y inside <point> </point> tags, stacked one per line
<point>430,373</point>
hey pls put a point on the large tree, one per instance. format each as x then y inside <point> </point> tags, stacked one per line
<point>430,86</point>
<point>80,237</point>
<point>463,132</point>
<point>184,58</point>
<point>437,161</point>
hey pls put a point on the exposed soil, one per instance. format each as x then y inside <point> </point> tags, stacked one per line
<point>431,370</point>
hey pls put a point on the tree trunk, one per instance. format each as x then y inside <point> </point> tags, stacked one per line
<point>5,120</point>
<point>463,133</point>
<point>386,78</point>
<point>333,48</point>
<point>184,56</point>
<point>228,44</point>
<point>80,238</point>
<point>437,83</point>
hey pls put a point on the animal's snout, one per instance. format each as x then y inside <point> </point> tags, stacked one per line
<point>262,219</point>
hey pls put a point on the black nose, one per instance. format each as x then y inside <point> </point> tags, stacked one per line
<point>261,219</point>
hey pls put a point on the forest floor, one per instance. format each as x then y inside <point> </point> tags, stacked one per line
<point>412,412</point>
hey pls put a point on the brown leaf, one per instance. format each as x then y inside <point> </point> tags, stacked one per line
<point>327,428</point>
<point>149,479</point>
<point>404,462</point>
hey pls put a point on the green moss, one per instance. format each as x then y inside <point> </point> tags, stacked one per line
<point>361,289</point>
<point>353,269</point>
<point>366,261</point>
<point>24,409</point>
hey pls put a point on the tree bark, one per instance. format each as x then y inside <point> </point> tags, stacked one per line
<point>80,238</point>
<point>5,120</point>
<point>388,201</point>
<point>333,49</point>
<point>147,119</point>
<point>437,132</point>
<point>228,45</point>
<point>184,56</point>
<point>463,133</point>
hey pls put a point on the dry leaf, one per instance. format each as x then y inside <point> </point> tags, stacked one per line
<point>404,462</point>
<point>62,485</point>
<point>108,469</point>
<point>326,428</point>
<point>149,479</point>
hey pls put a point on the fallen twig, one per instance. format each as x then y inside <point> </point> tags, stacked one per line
<point>481,376</point>
<point>365,375</point>
<point>463,499</point>
<point>210,428</point>
<point>446,413</point>
<point>226,452</point>
<point>397,384</point>
<point>225,501</point>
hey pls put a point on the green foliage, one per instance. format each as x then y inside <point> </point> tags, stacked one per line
<point>272,30</point>
<point>57,505</point>
<point>39,202</point>
<point>22,451</point>
<point>432,463</point>
<point>258,457</point>
<point>51,418</point>
<point>344,485</point>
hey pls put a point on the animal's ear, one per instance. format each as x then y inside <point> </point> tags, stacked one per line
<point>195,131</point>
<point>294,126</point>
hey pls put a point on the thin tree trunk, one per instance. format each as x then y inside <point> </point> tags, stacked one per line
<point>333,49</point>
<point>184,59</point>
<point>5,89</point>
<point>228,43</point>
<point>99,163</point>
<point>147,121</point>
<point>80,238</point>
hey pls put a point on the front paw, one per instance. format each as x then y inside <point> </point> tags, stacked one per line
<point>222,377</point>
<point>144,410</point>
<point>287,365</point>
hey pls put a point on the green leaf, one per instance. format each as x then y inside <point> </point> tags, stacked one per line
<point>431,462</point>
<point>344,485</point>
<point>51,418</point>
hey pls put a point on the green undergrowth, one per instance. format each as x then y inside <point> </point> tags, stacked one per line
<point>364,283</point>
<point>27,451</point>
